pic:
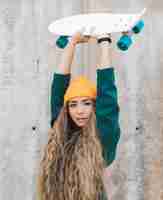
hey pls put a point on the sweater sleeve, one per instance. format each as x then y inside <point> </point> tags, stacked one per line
<point>107,113</point>
<point>59,85</point>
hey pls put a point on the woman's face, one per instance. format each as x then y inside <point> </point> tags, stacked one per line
<point>80,109</point>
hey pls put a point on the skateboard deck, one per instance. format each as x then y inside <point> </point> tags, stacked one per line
<point>95,23</point>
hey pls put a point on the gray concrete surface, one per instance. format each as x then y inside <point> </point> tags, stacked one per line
<point>27,62</point>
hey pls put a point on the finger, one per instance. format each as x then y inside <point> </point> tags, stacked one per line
<point>87,37</point>
<point>84,39</point>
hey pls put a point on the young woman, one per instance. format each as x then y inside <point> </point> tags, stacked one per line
<point>85,129</point>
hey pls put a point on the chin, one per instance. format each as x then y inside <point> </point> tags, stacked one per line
<point>80,124</point>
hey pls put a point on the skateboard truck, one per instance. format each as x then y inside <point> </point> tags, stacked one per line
<point>125,40</point>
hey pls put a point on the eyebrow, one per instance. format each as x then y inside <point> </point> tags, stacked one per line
<point>84,100</point>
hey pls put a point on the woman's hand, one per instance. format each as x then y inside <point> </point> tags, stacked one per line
<point>78,37</point>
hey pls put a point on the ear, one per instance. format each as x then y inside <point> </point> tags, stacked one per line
<point>66,108</point>
<point>94,104</point>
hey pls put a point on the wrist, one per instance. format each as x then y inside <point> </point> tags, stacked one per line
<point>104,38</point>
<point>73,42</point>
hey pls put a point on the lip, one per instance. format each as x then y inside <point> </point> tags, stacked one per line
<point>82,118</point>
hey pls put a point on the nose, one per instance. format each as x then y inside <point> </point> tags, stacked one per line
<point>80,109</point>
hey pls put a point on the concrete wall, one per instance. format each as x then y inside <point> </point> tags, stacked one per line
<point>27,62</point>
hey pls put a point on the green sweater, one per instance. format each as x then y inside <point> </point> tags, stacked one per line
<point>107,109</point>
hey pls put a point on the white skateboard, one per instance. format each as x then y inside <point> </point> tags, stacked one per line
<point>95,24</point>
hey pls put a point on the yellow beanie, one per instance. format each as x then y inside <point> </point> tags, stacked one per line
<point>80,87</point>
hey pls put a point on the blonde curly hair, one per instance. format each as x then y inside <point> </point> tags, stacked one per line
<point>72,166</point>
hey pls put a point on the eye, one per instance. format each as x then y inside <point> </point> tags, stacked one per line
<point>72,105</point>
<point>88,103</point>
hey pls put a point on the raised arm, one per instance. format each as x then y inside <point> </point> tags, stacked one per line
<point>107,109</point>
<point>61,80</point>
<point>62,77</point>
